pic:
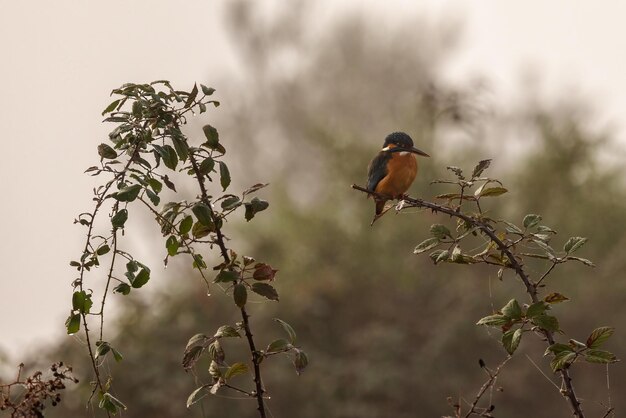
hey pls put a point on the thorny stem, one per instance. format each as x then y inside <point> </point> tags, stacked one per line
<point>531,288</point>
<point>256,357</point>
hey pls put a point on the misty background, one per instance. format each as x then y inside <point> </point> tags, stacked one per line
<point>309,91</point>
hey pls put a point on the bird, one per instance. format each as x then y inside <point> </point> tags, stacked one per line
<point>392,171</point>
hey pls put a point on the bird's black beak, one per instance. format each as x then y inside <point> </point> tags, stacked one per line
<point>418,152</point>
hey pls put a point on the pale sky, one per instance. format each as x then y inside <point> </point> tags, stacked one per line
<point>61,59</point>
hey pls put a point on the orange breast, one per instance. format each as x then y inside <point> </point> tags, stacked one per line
<point>401,171</point>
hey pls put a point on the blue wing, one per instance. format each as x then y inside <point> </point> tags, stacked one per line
<point>377,170</point>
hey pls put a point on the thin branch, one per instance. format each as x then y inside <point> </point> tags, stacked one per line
<point>531,287</point>
<point>493,376</point>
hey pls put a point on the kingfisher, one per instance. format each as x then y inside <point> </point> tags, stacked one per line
<point>393,170</point>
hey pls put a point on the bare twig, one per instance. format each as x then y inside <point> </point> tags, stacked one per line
<point>491,381</point>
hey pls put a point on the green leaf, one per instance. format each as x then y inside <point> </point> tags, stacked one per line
<point>111,107</point>
<point>562,360</point>
<point>496,320</point>
<point>543,228</point>
<point>156,185</point>
<point>224,175</point>
<point>122,288</point>
<point>266,290</point>
<point>549,250</point>
<point>480,167</point>
<point>128,194</point>
<point>207,90</point>
<point>536,309</point>
<point>204,214</point>
<point>439,255</point>
<point>511,340</point>
<point>240,295</point>
<point>426,245</point>
<point>277,346</point>
<point>102,349</point>
<point>153,197</point>
<point>599,336</point>
<point>196,395</point>
<point>493,191</point>
<point>106,152</point>
<point>254,206</point>
<point>439,231</point>
<point>235,370</point>
<point>181,147</point>
<point>573,244</point>
<point>231,202</point>
<point>212,137</point>
<point>169,157</point>
<point>192,96</point>
<point>117,355</point>
<point>195,346</point>
<point>557,348</point>
<point>172,245</point>
<point>141,279</point>
<point>119,219</point>
<point>547,322</point>
<point>111,404</point>
<point>457,172</point>
<point>531,220</point>
<point>512,310</point>
<point>103,249</point>
<point>226,331</point>
<point>216,352</point>
<point>207,165</point>
<point>81,301</point>
<point>225,276</point>
<point>73,324</point>
<point>582,260</point>
<point>512,228</point>
<point>555,298</point>
<point>600,356</point>
<point>185,225</point>
<point>288,329</point>
<point>300,361</point>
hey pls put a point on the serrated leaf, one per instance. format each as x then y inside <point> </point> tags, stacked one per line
<point>196,395</point>
<point>106,152</point>
<point>111,403</point>
<point>531,220</point>
<point>207,165</point>
<point>240,295</point>
<point>288,329</point>
<point>231,203</point>
<point>547,322</point>
<point>493,191</point>
<point>277,346</point>
<point>181,147</point>
<point>457,172</point>
<point>195,346</point>
<point>216,352</point>
<point>512,310</point>
<point>511,340</point>
<point>141,278</point>
<point>600,356</point>
<point>235,370</point>
<point>226,331</point>
<point>496,320</point>
<point>426,245</point>
<point>440,231</point>
<point>172,245</point>
<point>573,244</point>
<point>214,370</point>
<point>102,348</point>
<point>543,228</point>
<point>549,250</point>
<point>555,298</point>
<point>128,194</point>
<point>266,290</point>
<point>536,309</point>
<point>599,336</point>
<point>224,175</point>
<point>562,360</point>
<point>72,324</point>
<point>511,227</point>
<point>480,167</point>
<point>264,272</point>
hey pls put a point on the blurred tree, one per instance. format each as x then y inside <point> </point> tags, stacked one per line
<point>387,334</point>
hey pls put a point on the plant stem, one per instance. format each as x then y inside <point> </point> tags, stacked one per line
<point>531,288</point>
<point>256,358</point>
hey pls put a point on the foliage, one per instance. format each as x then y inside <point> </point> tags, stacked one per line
<point>147,147</point>
<point>507,246</point>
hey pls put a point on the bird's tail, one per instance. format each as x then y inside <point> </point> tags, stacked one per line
<point>380,210</point>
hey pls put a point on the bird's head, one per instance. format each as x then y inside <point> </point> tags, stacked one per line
<point>401,142</point>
